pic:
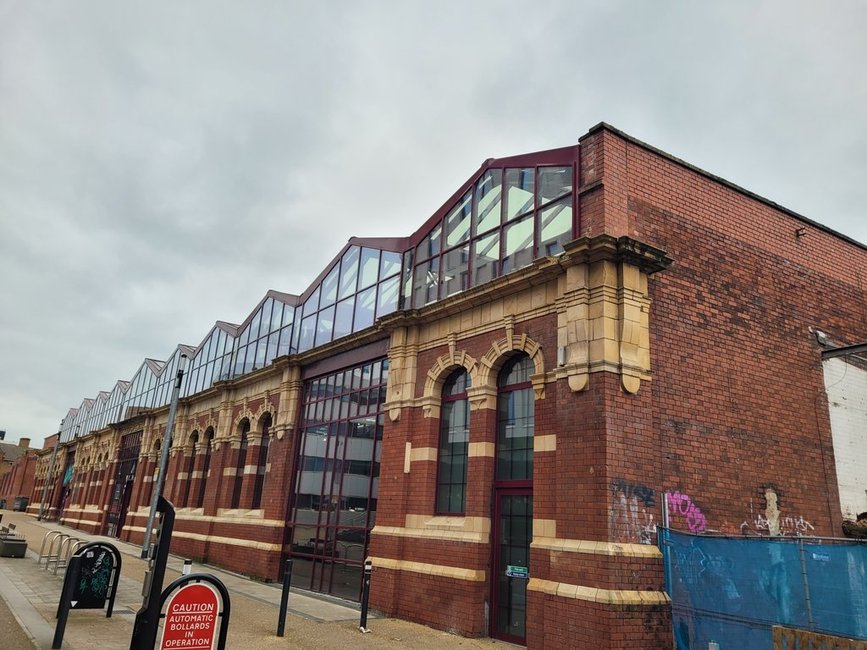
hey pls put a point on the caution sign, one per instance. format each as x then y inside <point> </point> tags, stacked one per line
<point>191,618</point>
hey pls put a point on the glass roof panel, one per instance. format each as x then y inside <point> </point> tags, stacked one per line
<point>486,258</point>
<point>348,272</point>
<point>288,315</point>
<point>369,267</point>
<point>343,317</point>
<point>245,336</point>
<point>386,301</point>
<point>206,348</point>
<point>554,182</point>
<point>261,348</point>
<point>430,245</point>
<point>265,323</point>
<point>555,226</point>
<point>276,317</point>
<point>389,264</point>
<point>519,191</point>
<point>253,327</point>
<point>455,271</point>
<point>489,190</point>
<point>518,248</point>
<point>329,287</point>
<point>308,331</point>
<point>273,339</point>
<point>425,281</point>
<point>312,303</point>
<point>364,308</point>
<point>324,326</point>
<point>457,222</point>
<point>285,346</point>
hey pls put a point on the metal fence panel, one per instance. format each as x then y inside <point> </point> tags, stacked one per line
<point>732,591</point>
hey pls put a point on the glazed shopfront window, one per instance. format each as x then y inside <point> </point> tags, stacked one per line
<point>337,478</point>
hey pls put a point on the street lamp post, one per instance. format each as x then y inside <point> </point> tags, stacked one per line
<point>164,458</point>
<point>50,475</point>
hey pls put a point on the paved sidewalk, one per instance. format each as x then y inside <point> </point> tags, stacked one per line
<point>32,594</point>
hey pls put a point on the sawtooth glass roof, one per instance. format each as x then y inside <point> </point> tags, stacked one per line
<point>212,360</point>
<point>510,212</point>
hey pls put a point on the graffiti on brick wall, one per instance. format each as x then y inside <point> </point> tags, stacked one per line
<point>682,507</point>
<point>771,522</point>
<point>629,517</point>
<point>786,526</point>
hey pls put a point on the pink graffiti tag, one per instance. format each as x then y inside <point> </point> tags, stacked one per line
<point>682,505</point>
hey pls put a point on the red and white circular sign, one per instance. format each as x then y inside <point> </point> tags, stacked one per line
<point>191,618</point>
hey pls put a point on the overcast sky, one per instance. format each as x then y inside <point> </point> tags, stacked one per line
<point>162,165</point>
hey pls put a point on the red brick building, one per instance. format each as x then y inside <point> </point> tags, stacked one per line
<point>499,409</point>
<point>17,471</point>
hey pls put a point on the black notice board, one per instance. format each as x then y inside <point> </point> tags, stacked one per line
<point>91,587</point>
<point>89,583</point>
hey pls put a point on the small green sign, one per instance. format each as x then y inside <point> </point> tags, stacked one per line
<point>517,571</point>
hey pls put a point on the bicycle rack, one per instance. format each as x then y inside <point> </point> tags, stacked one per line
<point>52,556</point>
<point>63,558</point>
<point>50,534</point>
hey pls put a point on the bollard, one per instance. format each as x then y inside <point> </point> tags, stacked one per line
<point>188,567</point>
<point>365,595</point>
<point>284,598</point>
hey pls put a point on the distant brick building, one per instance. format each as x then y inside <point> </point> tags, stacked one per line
<point>501,408</point>
<point>17,471</point>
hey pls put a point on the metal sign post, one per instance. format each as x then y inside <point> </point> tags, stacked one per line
<point>144,631</point>
<point>50,477</point>
<point>164,458</point>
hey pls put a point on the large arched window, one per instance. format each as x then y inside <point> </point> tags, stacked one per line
<point>206,466</point>
<point>242,462</point>
<point>451,495</point>
<point>262,462</point>
<point>515,420</point>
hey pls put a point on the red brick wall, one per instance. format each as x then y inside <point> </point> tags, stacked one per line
<point>737,396</point>
<point>19,480</point>
<point>736,406</point>
<point>736,403</point>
